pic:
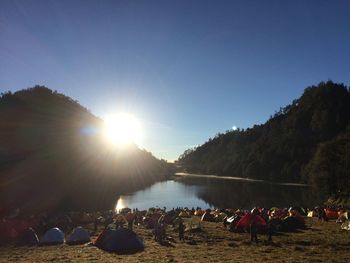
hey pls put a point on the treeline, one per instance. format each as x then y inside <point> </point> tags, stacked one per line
<point>53,154</point>
<point>306,141</point>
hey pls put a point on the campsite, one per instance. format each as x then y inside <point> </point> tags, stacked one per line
<point>206,239</point>
<point>174,131</point>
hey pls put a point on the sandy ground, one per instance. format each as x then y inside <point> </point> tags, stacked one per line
<point>320,242</point>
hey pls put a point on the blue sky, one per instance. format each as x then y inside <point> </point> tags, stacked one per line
<point>186,69</point>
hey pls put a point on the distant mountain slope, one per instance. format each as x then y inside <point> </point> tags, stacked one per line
<point>282,148</point>
<point>52,153</point>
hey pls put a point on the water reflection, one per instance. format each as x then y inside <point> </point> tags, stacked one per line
<point>236,194</point>
<point>209,193</point>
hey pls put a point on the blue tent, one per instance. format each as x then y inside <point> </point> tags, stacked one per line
<point>121,240</point>
<point>78,236</point>
<point>53,236</point>
<point>29,238</point>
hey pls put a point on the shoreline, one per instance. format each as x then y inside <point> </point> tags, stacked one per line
<point>241,179</point>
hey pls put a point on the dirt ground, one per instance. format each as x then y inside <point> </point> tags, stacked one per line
<point>320,242</point>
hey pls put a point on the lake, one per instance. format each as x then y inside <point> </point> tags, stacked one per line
<point>213,192</point>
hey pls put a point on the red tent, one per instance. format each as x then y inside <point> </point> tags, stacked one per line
<point>7,231</point>
<point>331,213</point>
<point>248,219</point>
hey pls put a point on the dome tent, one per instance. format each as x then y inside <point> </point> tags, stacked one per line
<point>52,236</point>
<point>207,216</point>
<point>121,240</point>
<point>245,222</point>
<point>78,236</point>
<point>291,223</point>
<point>29,238</point>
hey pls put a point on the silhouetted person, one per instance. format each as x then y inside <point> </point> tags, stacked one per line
<point>269,231</point>
<point>319,212</point>
<point>181,230</point>
<point>324,216</point>
<point>157,232</point>
<point>95,224</point>
<point>254,226</point>
<point>253,233</point>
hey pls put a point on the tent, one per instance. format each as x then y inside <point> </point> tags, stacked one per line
<point>199,212</point>
<point>276,223</point>
<point>331,213</point>
<point>184,214</point>
<point>232,218</point>
<point>194,224</point>
<point>292,223</point>
<point>299,209</point>
<point>78,236</point>
<point>343,216</point>
<point>275,212</point>
<point>121,240</point>
<point>28,238</point>
<point>345,225</point>
<point>220,217</point>
<point>295,214</point>
<point>207,216</point>
<point>248,219</point>
<point>52,236</point>
<point>7,231</point>
<point>312,213</point>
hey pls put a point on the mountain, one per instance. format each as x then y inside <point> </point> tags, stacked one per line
<point>53,154</point>
<point>306,141</point>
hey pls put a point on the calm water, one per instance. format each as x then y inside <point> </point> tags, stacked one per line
<point>216,193</point>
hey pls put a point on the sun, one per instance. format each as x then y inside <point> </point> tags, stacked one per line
<point>122,129</point>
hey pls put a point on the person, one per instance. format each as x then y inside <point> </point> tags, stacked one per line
<point>181,230</point>
<point>130,223</point>
<point>269,231</point>
<point>253,232</point>
<point>324,215</point>
<point>162,233</point>
<point>130,217</point>
<point>319,211</point>
<point>254,225</point>
<point>96,221</point>
<point>156,231</point>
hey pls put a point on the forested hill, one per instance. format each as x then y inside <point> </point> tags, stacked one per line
<point>53,154</point>
<point>306,141</point>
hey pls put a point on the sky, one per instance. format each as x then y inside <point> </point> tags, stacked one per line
<point>186,69</point>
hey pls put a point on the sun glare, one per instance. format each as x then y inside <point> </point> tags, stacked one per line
<point>123,129</point>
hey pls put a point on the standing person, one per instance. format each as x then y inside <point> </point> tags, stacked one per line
<point>181,230</point>
<point>156,230</point>
<point>269,231</point>
<point>254,225</point>
<point>130,217</point>
<point>130,223</point>
<point>253,233</point>
<point>319,212</point>
<point>95,223</point>
<point>162,233</point>
<point>324,215</point>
